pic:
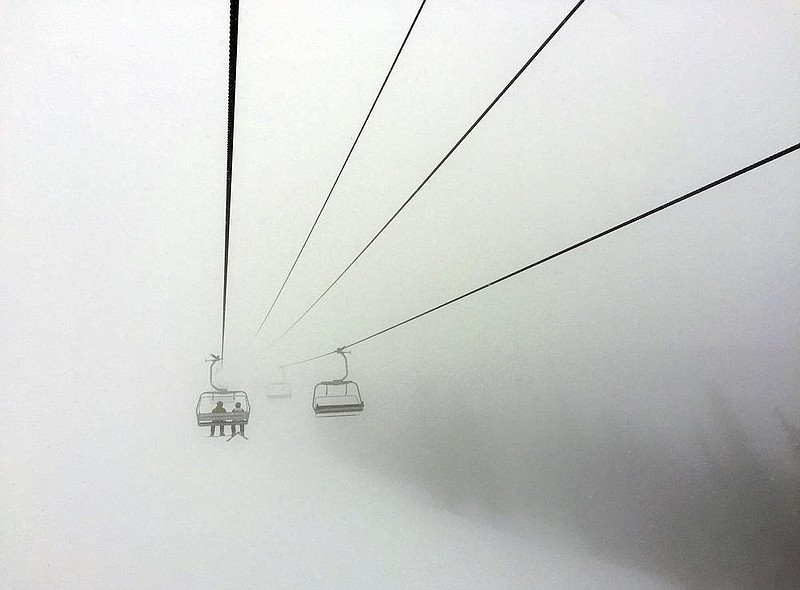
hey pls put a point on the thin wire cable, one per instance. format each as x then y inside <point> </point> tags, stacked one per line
<point>233,42</point>
<point>347,159</point>
<point>575,246</point>
<point>439,165</point>
<point>313,358</point>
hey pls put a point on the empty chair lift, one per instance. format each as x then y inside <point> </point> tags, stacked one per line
<point>279,389</point>
<point>339,397</point>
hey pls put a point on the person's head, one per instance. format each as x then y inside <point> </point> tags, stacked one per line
<point>219,404</point>
<point>238,404</point>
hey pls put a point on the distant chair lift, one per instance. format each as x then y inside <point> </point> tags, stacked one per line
<point>338,397</point>
<point>208,400</point>
<point>280,389</point>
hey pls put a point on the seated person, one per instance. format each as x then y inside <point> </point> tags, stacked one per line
<point>237,409</point>
<point>219,410</point>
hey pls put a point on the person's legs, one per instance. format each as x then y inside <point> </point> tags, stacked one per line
<point>213,430</point>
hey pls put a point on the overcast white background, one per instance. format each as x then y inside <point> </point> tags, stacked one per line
<point>112,186</point>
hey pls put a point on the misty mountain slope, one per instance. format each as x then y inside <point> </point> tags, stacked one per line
<point>171,507</point>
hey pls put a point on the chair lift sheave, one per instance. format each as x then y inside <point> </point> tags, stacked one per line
<point>208,401</point>
<point>279,389</point>
<point>339,397</point>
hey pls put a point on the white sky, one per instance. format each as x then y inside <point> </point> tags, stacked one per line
<point>112,171</point>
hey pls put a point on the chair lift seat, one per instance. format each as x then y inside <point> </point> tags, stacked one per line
<point>343,403</point>
<point>209,419</point>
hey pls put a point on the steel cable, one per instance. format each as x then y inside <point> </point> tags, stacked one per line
<point>435,169</point>
<point>575,246</point>
<point>346,160</point>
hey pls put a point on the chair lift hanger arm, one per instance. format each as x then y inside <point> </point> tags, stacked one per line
<point>213,360</point>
